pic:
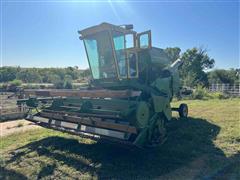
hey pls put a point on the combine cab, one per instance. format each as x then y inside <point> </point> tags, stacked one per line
<point>129,96</point>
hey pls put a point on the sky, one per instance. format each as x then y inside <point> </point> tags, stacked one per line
<point>44,33</point>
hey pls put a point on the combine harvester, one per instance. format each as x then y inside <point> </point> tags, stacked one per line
<point>128,99</point>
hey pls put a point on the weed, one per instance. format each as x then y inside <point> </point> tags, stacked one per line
<point>20,124</point>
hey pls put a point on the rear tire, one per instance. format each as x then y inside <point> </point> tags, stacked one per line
<point>183,110</point>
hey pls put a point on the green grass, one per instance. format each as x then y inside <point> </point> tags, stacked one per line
<point>207,145</point>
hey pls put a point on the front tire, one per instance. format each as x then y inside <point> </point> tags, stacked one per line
<point>183,110</point>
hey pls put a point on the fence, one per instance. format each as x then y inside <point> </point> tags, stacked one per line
<point>226,88</point>
<point>8,107</point>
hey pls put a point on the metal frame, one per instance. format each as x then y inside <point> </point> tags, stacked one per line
<point>132,50</point>
<point>110,29</point>
<point>88,58</point>
<point>126,58</point>
<point>101,27</point>
<point>114,54</point>
<point>95,122</point>
<point>126,54</point>
<point>116,60</point>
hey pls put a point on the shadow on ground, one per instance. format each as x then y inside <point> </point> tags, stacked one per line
<point>11,174</point>
<point>189,144</point>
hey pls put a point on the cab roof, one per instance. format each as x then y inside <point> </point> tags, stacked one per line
<point>102,27</point>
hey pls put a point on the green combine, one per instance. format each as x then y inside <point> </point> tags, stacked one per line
<point>129,95</point>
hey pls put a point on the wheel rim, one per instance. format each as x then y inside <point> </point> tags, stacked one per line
<point>185,111</point>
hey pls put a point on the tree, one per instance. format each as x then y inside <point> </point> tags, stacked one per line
<point>173,53</point>
<point>195,62</point>
<point>68,77</point>
<point>38,75</point>
<point>59,84</point>
<point>16,82</point>
<point>73,72</point>
<point>86,73</point>
<point>53,78</point>
<point>230,76</point>
<point>67,85</point>
<point>8,73</point>
<point>67,82</point>
<point>30,75</point>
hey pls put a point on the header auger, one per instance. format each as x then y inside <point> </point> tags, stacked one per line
<point>129,96</point>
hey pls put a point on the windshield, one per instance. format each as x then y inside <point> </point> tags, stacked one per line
<point>100,55</point>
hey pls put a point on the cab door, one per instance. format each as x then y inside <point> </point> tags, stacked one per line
<point>143,41</point>
<point>132,64</point>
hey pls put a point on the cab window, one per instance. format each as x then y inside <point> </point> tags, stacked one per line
<point>132,59</point>
<point>144,40</point>
<point>119,45</point>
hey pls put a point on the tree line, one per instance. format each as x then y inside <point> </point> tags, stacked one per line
<point>39,75</point>
<point>60,77</point>
<point>196,70</point>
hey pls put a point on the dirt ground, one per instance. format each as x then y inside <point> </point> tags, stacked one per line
<point>8,105</point>
<point>7,128</point>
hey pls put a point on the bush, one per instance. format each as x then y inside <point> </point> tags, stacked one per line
<point>67,85</point>
<point>31,86</point>
<point>20,124</point>
<point>4,86</point>
<point>200,93</point>
<point>11,86</point>
<point>203,93</point>
<point>15,82</point>
<point>59,84</point>
<point>218,95</point>
<point>1,85</point>
<point>42,86</point>
<point>63,85</point>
